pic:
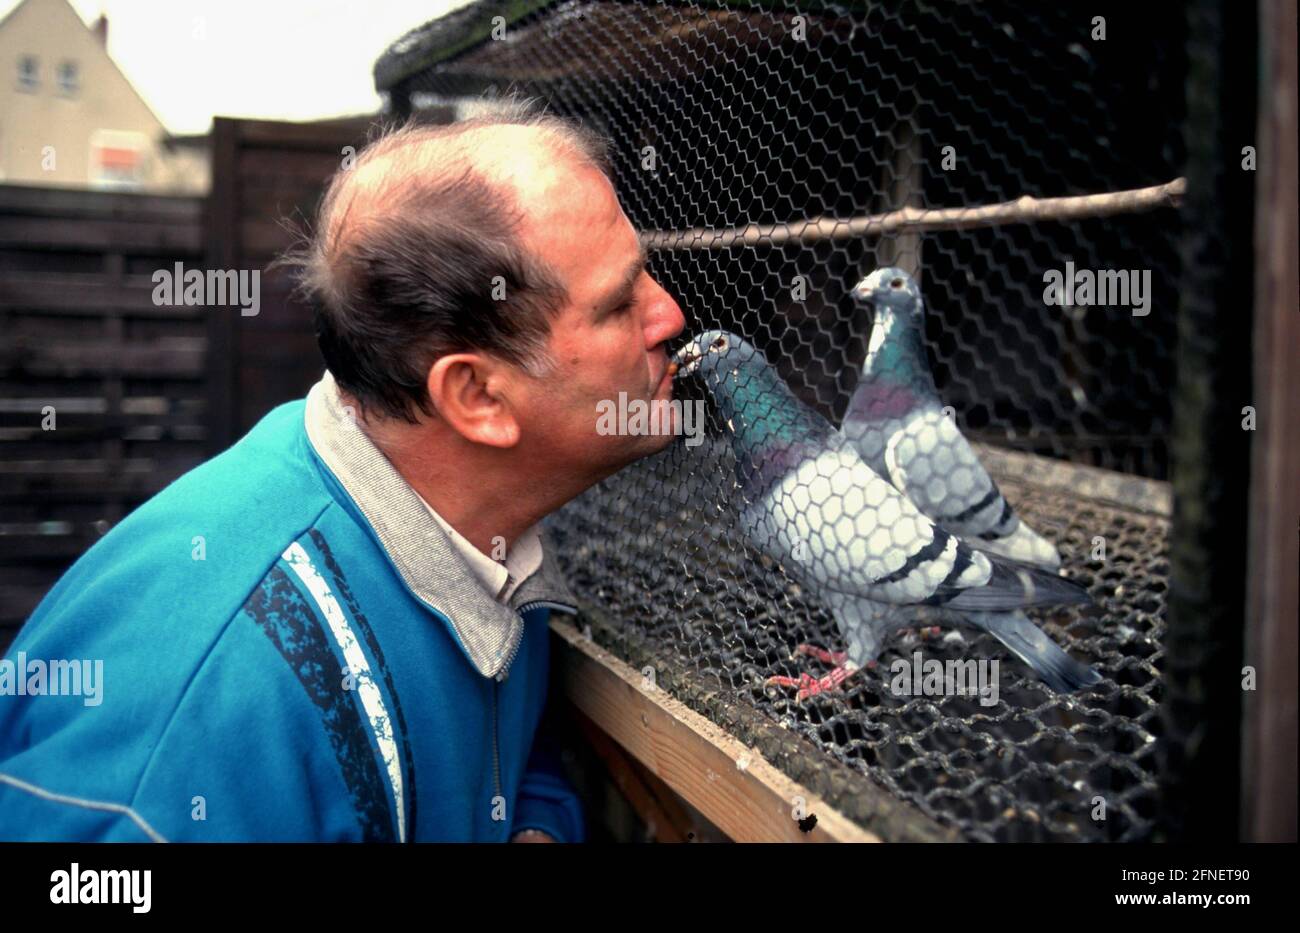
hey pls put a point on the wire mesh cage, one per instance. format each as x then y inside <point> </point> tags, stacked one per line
<point>774,155</point>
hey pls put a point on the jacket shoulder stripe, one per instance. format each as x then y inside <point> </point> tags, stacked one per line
<point>292,624</point>
<point>344,592</point>
<point>372,700</point>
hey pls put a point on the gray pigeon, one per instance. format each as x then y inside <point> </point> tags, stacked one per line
<point>866,552</point>
<point>897,423</point>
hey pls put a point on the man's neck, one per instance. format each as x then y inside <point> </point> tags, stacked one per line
<point>477,490</point>
<point>476,499</point>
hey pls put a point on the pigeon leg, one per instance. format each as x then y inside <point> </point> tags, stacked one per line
<point>810,686</point>
<point>833,658</point>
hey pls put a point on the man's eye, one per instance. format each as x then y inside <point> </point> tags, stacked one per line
<point>624,307</point>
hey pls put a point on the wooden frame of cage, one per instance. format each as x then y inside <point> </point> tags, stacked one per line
<point>735,788</point>
<point>1268,753</point>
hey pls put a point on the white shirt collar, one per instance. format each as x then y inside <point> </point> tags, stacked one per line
<point>499,579</point>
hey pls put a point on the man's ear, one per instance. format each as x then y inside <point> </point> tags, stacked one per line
<point>471,393</point>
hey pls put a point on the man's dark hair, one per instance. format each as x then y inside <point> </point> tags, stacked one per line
<point>429,262</point>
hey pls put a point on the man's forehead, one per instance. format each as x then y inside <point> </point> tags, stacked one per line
<point>516,158</point>
<point>569,193</point>
<point>569,214</point>
<point>580,228</point>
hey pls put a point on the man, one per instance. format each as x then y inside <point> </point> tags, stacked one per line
<point>337,629</point>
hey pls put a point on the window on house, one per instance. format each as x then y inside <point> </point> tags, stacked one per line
<point>29,78</point>
<point>118,159</point>
<point>69,78</point>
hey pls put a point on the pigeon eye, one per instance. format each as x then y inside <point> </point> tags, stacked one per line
<point>896,283</point>
<point>720,343</point>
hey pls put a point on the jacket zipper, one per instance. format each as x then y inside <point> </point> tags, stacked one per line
<point>496,748</point>
<point>496,684</point>
<point>496,703</point>
<point>527,607</point>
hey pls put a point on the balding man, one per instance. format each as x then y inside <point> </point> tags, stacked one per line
<point>337,629</point>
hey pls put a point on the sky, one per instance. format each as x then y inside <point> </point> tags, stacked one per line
<point>192,60</point>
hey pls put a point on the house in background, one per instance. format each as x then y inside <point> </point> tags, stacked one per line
<point>69,117</point>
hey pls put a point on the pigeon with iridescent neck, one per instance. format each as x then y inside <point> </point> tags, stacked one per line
<point>897,422</point>
<point>863,549</point>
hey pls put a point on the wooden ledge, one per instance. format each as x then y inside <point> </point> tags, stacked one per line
<point>733,786</point>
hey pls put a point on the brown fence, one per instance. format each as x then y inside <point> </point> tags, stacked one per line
<point>266,178</point>
<point>101,391</point>
<point>137,393</point>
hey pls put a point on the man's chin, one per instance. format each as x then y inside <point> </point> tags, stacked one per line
<point>644,426</point>
<point>644,446</point>
<point>658,443</point>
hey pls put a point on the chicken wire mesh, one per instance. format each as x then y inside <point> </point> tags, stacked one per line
<point>730,116</point>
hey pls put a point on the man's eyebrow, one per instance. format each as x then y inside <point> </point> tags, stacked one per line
<point>626,284</point>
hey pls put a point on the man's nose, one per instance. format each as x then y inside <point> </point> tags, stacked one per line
<point>667,320</point>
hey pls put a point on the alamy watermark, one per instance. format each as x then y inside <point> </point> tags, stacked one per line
<point>1104,288</point>
<point>75,885</point>
<point>208,288</point>
<point>934,678</point>
<point>24,677</point>
<point>658,417</point>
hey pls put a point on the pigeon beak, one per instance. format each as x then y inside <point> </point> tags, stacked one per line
<point>863,291</point>
<point>686,359</point>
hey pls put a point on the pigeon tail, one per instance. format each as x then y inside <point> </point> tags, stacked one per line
<point>1016,587</point>
<point>1030,644</point>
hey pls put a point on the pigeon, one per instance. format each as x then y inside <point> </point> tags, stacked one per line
<point>861,546</point>
<point>896,421</point>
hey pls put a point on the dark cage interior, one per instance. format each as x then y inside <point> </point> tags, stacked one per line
<point>763,116</point>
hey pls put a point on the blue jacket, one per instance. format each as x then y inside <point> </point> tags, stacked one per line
<point>291,650</point>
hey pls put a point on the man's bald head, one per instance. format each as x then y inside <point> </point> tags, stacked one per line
<point>418,250</point>
<point>518,159</point>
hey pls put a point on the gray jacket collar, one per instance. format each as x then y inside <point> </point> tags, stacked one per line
<point>417,546</point>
